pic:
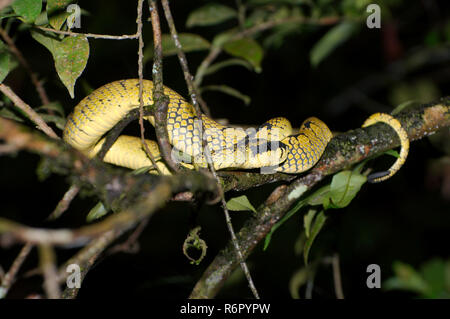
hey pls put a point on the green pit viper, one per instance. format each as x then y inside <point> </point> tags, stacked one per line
<point>273,145</point>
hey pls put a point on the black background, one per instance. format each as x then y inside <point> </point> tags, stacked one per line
<point>406,218</point>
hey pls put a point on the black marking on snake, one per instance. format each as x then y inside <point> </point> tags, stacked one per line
<point>122,84</point>
<point>74,124</point>
<point>82,112</point>
<point>257,146</point>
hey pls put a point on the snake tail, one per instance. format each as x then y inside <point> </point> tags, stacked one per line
<point>404,145</point>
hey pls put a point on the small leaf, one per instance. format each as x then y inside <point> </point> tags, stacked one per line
<point>8,114</point>
<point>28,9</point>
<point>288,215</point>
<point>5,61</point>
<point>210,14</point>
<point>404,106</point>
<point>222,38</point>
<point>53,106</point>
<point>56,11</point>
<point>344,187</point>
<point>98,211</point>
<point>142,170</point>
<point>189,42</point>
<point>406,278</point>
<point>393,153</point>
<point>59,121</point>
<point>228,90</point>
<point>71,59</point>
<point>70,56</point>
<point>330,41</point>
<point>298,279</point>
<point>247,49</point>
<point>433,272</point>
<point>307,220</point>
<point>319,195</point>
<point>240,203</point>
<point>318,224</point>
<point>223,64</point>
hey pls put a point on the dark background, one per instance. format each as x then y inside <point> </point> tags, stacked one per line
<point>406,218</point>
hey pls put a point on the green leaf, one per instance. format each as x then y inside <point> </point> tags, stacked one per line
<point>247,49</point>
<point>298,279</point>
<point>307,220</point>
<point>406,278</point>
<point>210,14</point>
<point>70,56</point>
<point>288,215</point>
<point>228,90</point>
<point>96,212</point>
<point>330,41</point>
<point>189,42</point>
<point>319,221</point>
<point>8,114</point>
<point>28,9</point>
<point>56,11</point>
<point>344,187</point>
<point>393,153</point>
<point>319,196</point>
<point>240,203</point>
<point>59,121</point>
<point>434,274</point>
<point>5,61</point>
<point>53,106</point>
<point>71,59</point>
<point>222,38</point>
<point>142,170</point>
<point>404,106</point>
<point>223,64</point>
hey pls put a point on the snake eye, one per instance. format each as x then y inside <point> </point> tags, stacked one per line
<point>283,151</point>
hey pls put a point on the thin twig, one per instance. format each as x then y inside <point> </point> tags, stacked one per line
<point>86,258</point>
<point>161,101</point>
<point>28,110</point>
<point>194,96</point>
<point>337,277</point>
<point>140,73</point>
<point>10,276</point>
<point>47,261</point>
<point>5,3</point>
<point>38,84</point>
<point>64,202</point>
<point>131,245</point>
<point>92,35</point>
<point>7,149</point>
<point>193,90</point>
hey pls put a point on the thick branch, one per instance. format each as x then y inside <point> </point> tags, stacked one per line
<point>344,150</point>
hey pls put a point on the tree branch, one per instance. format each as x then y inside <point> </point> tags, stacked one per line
<point>28,111</point>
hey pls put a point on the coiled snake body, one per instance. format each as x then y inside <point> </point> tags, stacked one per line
<point>273,145</point>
